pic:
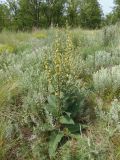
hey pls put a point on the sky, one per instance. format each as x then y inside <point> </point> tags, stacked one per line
<point>107,5</point>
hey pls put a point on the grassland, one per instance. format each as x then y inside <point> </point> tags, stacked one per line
<point>60,94</point>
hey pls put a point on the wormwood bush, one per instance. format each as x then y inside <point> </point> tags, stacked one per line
<point>114,119</point>
<point>77,148</point>
<point>102,141</point>
<point>109,35</point>
<point>115,113</point>
<point>21,103</point>
<point>18,73</point>
<point>9,81</point>
<point>4,145</point>
<point>108,129</point>
<point>103,59</point>
<point>8,90</point>
<point>107,80</point>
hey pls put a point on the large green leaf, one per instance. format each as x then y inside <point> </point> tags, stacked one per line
<point>52,100</point>
<point>52,105</point>
<point>66,120</point>
<point>74,128</point>
<point>68,114</point>
<point>51,89</point>
<point>55,138</point>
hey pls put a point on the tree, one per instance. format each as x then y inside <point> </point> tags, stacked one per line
<point>4,16</point>
<point>73,12</point>
<point>111,18</point>
<point>57,16</point>
<point>114,16</point>
<point>53,12</point>
<point>28,15</point>
<point>90,14</point>
<point>13,13</point>
<point>116,11</point>
<point>117,8</point>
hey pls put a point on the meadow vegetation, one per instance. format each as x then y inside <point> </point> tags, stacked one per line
<point>60,94</point>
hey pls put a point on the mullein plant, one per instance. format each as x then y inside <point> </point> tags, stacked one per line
<point>66,103</point>
<point>58,67</point>
<point>59,72</point>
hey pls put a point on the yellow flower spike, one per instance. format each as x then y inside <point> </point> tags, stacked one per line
<point>46,67</point>
<point>66,131</point>
<point>49,82</point>
<point>56,94</point>
<point>67,75</point>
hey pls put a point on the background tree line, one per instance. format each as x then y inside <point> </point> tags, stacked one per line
<point>27,14</point>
